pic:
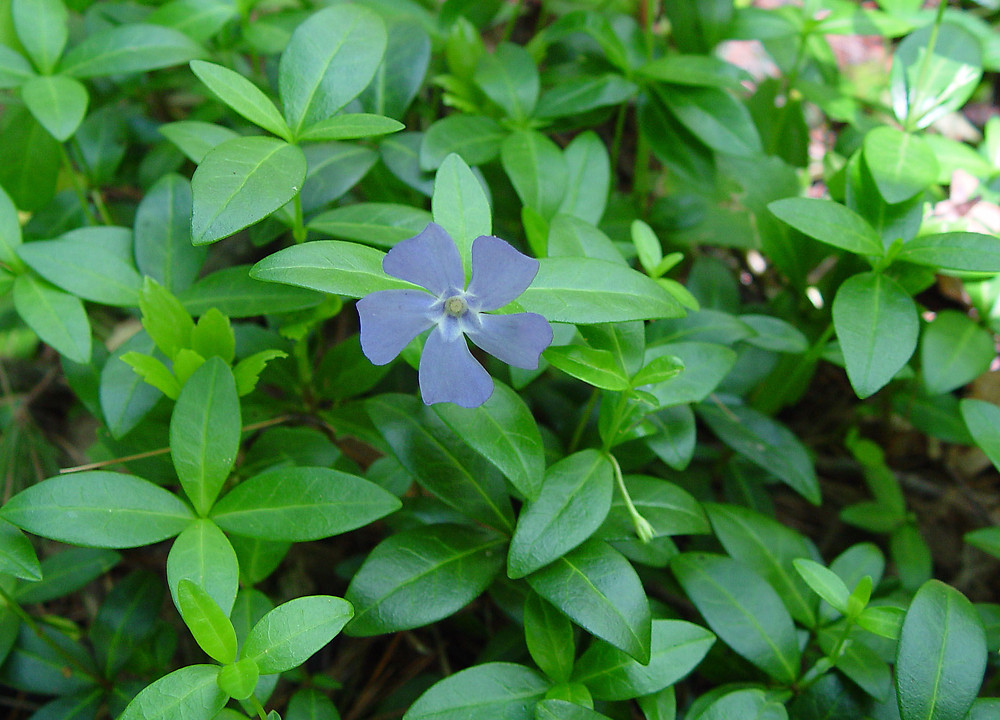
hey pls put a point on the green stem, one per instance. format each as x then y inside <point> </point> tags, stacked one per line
<point>258,708</point>
<point>74,179</point>
<point>588,409</point>
<point>642,527</point>
<point>910,121</point>
<point>788,85</point>
<point>102,209</point>
<point>512,22</point>
<point>299,228</point>
<point>640,174</point>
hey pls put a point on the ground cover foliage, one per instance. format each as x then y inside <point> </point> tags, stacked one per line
<point>724,448</point>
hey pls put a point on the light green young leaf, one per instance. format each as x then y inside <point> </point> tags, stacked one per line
<point>289,635</point>
<point>350,126</point>
<point>824,582</point>
<point>204,555</point>
<point>595,367</point>
<point>153,372</point>
<point>42,28</point>
<point>208,624</point>
<point>192,693</point>
<point>242,96</point>
<point>829,222</point>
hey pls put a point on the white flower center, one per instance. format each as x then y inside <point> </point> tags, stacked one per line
<point>456,306</point>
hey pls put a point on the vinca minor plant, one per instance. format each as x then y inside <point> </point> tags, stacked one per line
<point>439,360</point>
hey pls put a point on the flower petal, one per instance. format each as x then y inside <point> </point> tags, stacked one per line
<point>390,319</point>
<point>516,339</point>
<point>449,373</point>
<point>499,272</point>
<point>428,259</point>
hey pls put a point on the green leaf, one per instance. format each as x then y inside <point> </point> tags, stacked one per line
<point>329,60</point>
<point>94,263</point>
<point>488,690</point>
<point>154,372</point>
<point>703,70</point>
<point>715,117</point>
<point>584,290</point>
<point>311,704</point>
<point>882,620</point>
<point>928,82</point>
<point>877,326</point>
<point>98,509</point>
<point>234,293</point>
<point>596,367</point>
<point>743,610</point>
<point>382,224</point>
<point>14,69</point>
<point>775,334</point>
<point>330,266</point>
<point>954,351</point>
<point>598,589</point>
<point>288,635</point>
<point>208,624</point>
<point>503,431</point>
<point>301,503</point>
<point>705,366</point>
<point>127,617</point>
<point>669,509</point>
<point>575,96</point>
<point>31,159</point>
<point>659,370</point>
<point>242,96</point>
<point>204,555</point>
<point>610,674</point>
<point>247,371</point>
<point>941,656</point>
<point>474,138</point>
<point>440,460</point>
<point>10,233</point>
<point>460,206</point>
<point>589,178</point>
<point>983,421</point>
<point>555,709</point>
<point>825,583</point>
<point>830,223</point>
<point>549,637</point>
<point>57,102</point>
<point>575,499</point>
<point>351,126</point>
<point>239,679</point>
<point>164,318</point>
<point>766,443</point>
<point>768,548</point>
<point>46,661</point>
<point>17,556</point>
<point>128,49</point>
<point>537,170</point>
<point>192,693</point>
<point>58,318</point>
<point>42,28</point>
<point>65,572</point>
<point>746,704</point>
<point>953,251</point>
<point>163,248</point>
<point>241,182</point>
<point>195,138</point>
<point>446,566</point>
<point>509,78</point>
<point>902,164</point>
<point>205,432</point>
<point>213,337</point>
<point>198,19</point>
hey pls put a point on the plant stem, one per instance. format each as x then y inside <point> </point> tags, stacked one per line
<point>574,442</point>
<point>642,527</point>
<point>257,706</point>
<point>74,179</point>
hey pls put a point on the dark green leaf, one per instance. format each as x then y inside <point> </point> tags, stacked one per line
<point>537,170</point>
<point>163,248</point>
<point>489,690</point>
<point>203,555</point>
<point>474,138</point>
<point>288,635</point>
<point>509,78</point>
<point>58,318</point>
<point>65,572</point>
<point>954,251</point>
<point>234,293</point>
<point>669,509</point>
<point>382,224</point>
<point>17,556</point>
<point>549,637</point>
<point>715,117</point>
<point>192,693</point>
<point>829,222</point>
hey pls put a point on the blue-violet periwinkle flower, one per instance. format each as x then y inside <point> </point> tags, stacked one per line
<point>390,319</point>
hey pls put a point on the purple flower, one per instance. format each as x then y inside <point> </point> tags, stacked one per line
<point>390,319</point>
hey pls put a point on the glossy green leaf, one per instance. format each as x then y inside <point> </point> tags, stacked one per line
<point>329,60</point>
<point>830,223</point>
<point>743,610</point>
<point>58,318</point>
<point>494,690</point>
<point>234,293</point>
<point>311,704</point>
<point>509,78</point>
<point>824,582</point>
<point>610,674</point>
<point>128,49</point>
<point>877,326</point>
<point>330,266</point>
<point>745,704</point>
<point>301,503</point>
<point>941,656</point>
<point>901,164</point>
<point>17,556</point>
<point>381,224</point>
<point>242,96</point>
<point>288,635</point>
<point>668,508</point>
<point>440,460</point>
<point>350,126</point>
<point>447,566</point>
<point>584,290</point>
<point>202,554</point>
<point>10,233</point>
<point>30,169</point>
<point>548,634</point>
<point>127,616</point>
<point>98,509</point>
<point>765,442</point>
<point>574,96</point>
<point>575,499</point>
<point>57,102</point>
<point>195,138</point>
<point>954,351</point>
<point>239,679</point>
<point>205,432</point>
<point>198,19</point>
<point>208,624</point>
<point>588,178</point>
<point>705,366</point>
<point>65,572</point>
<point>598,589</point>
<point>555,709</point>
<point>595,367</point>
<point>503,431</point>
<point>474,138</point>
<point>163,248</point>
<point>14,69</point>
<point>953,251</point>
<point>537,170</point>
<point>213,337</point>
<point>401,73</point>
<point>460,205</point>
<point>703,70</point>
<point>715,117</point>
<point>192,693</point>
<point>42,28</point>
<point>241,182</point>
